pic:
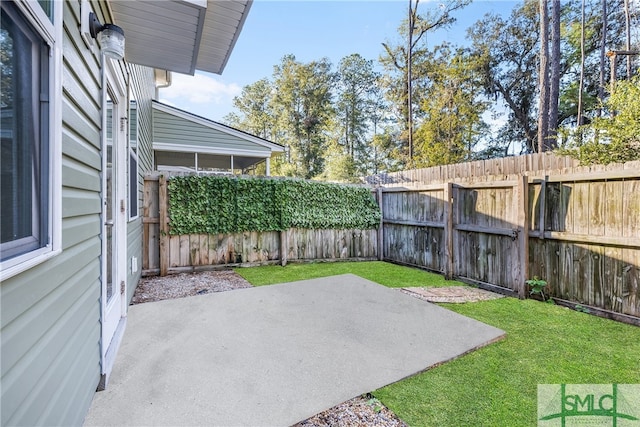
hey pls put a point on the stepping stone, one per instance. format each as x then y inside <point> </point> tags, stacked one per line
<point>452,294</point>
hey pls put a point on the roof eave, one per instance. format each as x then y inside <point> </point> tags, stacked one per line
<point>181,35</point>
<point>273,146</point>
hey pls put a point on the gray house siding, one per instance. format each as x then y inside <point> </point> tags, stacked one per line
<point>176,130</point>
<point>51,313</point>
<point>142,90</point>
<point>50,328</point>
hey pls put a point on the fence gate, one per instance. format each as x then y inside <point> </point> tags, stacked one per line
<point>489,234</point>
<point>476,232</point>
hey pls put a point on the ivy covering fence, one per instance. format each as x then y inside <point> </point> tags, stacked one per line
<point>223,204</point>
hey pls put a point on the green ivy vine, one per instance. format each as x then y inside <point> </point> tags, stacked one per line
<point>209,204</point>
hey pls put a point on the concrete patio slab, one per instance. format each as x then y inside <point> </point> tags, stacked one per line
<point>274,355</point>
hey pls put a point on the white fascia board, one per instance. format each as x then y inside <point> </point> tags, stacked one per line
<point>213,125</point>
<point>199,3</point>
<point>181,148</point>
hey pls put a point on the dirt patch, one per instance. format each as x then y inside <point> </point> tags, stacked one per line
<point>452,294</point>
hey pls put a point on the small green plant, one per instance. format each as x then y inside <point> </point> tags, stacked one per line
<point>581,309</point>
<point>375,404</point>
<point>537,286</point>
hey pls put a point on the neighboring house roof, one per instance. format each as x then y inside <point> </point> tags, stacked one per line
<point>177,134</point>
<point>181,35</point>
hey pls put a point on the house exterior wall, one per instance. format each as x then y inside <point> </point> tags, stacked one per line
<point>51,313</point>
<point>170,129</point>
<point>50,328</point>
<point>142,89</point>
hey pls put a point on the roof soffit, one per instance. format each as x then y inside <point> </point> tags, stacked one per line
<point>180,35</point>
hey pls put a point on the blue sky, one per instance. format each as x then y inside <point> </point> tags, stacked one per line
<point>309,30</point>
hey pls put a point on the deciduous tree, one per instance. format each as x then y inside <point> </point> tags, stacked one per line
<point>304,109</point>
<point>357,93</point>
<point>453,108</point>
<point>403,61</point>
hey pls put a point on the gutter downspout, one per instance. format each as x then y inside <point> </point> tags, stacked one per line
<point>162,80</point>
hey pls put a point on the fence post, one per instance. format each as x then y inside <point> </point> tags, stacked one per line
<point>448,231</point>
<point>522,222</point>
<point>381,226</point>
<point>543,209</point>
<point>284,237</point>
<point>163,204</point>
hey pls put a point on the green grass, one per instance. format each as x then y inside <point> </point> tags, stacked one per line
<point>391,275</point>
<point>496,385</point>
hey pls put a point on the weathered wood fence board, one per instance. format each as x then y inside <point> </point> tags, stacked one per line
<point>576,227</point>
<point>305,244</point>
<point>165,253</point>
<point>492,169</point>
<point>482,226</point>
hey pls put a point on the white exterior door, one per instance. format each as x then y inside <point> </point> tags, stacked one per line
<point>114,247</point>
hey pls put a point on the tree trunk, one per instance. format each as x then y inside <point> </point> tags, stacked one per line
<point>554,95</point>
<point>603,58</point>
<point>543,113</point>
<point>581,85</point>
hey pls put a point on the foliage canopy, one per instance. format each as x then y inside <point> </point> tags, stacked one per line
<point>616,138</point>
<point>468,102</point>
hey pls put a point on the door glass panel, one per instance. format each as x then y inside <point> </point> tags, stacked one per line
<point>109,200</point>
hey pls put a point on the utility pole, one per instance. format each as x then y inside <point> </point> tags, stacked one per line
<point>627,19</point>
<point>613,54</point>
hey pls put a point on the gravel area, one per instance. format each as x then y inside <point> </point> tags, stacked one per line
<point>181,285</point>
<point>362,411</point>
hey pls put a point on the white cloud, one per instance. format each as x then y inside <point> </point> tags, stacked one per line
<point>199,89</point>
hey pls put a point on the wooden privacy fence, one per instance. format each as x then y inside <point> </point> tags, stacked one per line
<point>164,253</point>
<point>445,227</point>
<point>577,228</point>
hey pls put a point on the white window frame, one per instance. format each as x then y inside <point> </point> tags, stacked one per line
<point>132,144</point>
<point>50,29</point>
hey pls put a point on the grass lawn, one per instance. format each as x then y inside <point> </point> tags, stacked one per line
<point>390,275</point>
<point>496,385</point>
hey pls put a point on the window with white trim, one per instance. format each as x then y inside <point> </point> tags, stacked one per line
<point>133,185</point>
<point>134,189</point>
<point>26,111</point>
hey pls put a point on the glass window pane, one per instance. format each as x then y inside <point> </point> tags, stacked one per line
<point>23,130</point>
<point>133,185</point>
<point>47,6</point>
<point>133,125</point>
